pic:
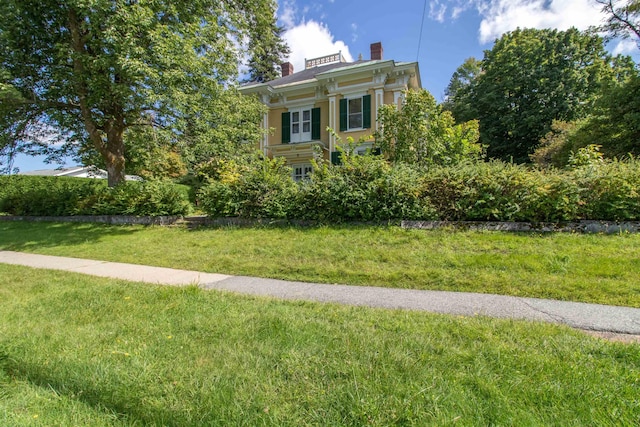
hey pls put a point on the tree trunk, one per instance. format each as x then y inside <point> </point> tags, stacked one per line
<point>107,138</point>
<point>115,169</point>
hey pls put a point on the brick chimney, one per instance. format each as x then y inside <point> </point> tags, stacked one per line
<point>376,51</point>
<point>287,69</point>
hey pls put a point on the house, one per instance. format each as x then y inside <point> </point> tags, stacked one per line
<point>328,93</point>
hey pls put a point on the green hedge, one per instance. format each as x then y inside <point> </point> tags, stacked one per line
<point>367,188</point>
<point>62,196</point>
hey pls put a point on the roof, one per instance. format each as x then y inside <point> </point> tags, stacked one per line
<point>312,73</point>
<point>323,74</point>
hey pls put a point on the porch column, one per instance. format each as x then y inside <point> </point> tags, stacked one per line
<point>379,102</point>
<point>332,122</point>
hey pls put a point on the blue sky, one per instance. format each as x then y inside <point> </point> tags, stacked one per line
<point>452,30</point>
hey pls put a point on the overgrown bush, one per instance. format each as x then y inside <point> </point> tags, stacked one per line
<point>45,196</point>
<point>609,191</point>
<point>60,196</point>
<point>260,188</point>
<point>501,192</point>
<point>363,188</point>
<point>368,188</point>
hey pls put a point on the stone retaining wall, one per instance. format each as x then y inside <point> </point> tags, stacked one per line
<point>606,227</point>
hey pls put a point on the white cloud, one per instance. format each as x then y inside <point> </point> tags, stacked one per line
<point>437,10</point>
<point>501,16</point>
<point>309,39</point>
<point>312,39</point>
<point>354,32</point>
<point>288,14</point>
<point>625,47</point>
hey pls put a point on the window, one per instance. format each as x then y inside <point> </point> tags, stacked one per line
<point>301,125</point>
<point>301,172</point>
<point>355,113</point>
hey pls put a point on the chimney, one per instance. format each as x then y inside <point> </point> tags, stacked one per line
<point>287,69</point>
<point>376,51</point>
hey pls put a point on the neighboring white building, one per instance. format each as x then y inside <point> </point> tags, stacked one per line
<point>77,172</point>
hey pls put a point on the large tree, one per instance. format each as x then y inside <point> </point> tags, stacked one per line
<point>459,92</point>
<point>531,78</point>
<point>268,50</point>
<point>85,73</point>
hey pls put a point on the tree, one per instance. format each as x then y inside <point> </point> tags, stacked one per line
<point>531,78</point>
<point>623,19</point>
<point>459,92</point>
<point>422,133</point>
<point>269,50</point>
<point>85,73</point>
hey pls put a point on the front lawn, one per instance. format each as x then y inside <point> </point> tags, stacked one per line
<point>78,350</point>
<point>588,268</point>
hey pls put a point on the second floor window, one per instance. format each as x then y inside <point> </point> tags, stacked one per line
<point>301,125</point>
<point>355,113</point>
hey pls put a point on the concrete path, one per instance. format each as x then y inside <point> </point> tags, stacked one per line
<point>590,317</point>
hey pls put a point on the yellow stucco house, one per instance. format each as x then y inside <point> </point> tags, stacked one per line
<point>329,92</point>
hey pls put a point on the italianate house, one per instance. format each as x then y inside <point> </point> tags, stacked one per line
<point>328,93</point>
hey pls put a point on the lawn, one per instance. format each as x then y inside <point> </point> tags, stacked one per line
<point>77,350</point>
<point>578,267</point>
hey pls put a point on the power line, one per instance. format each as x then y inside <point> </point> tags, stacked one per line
<point>424,11</point>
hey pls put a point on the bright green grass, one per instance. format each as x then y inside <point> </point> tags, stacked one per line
<point>589,268</point>
<point>77,350</point>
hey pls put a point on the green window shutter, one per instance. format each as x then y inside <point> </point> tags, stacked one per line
<point>343,115</point>
<point>366,111</point>
<point>315,124</point>
<point>286,128</point>
<point>336,158</point>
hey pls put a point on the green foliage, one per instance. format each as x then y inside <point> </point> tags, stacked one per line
<point>531,78</point>
<point>147,198</point>
<point>260,188</point>
<point>362,188</point>
<point>557,145</point>
<point>62,196</point>
<point>368,188</point>
<point>586,156</point>
<point>422,134</point>
<point>84,73</point>
<point>45,196</point>
<point>609,191</point>
<point>501,192</point>
<point>268,48</point>
<point>615,122</point>
<point>459,92</point>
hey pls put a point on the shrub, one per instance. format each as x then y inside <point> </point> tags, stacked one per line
<point>363,188</point>
<point>45,196</point>
<point>60,196</point>
<point>501,192</point>
<point>260,188</point>
<point>368,188</point>
<point>610,191</point>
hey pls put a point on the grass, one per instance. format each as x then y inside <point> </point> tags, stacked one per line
<point>578,267</point>
<point>77,350</point>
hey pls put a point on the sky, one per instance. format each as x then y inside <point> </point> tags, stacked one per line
<point>451,31</point>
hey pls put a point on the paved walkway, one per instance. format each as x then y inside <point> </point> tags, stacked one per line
<point>590,317</point>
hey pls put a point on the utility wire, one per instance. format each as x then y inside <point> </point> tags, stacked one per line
<point>424,11</point>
